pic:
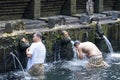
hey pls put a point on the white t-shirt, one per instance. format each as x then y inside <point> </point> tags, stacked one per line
<point>38,52</point>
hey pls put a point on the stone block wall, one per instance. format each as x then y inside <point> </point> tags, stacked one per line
<point>33,9</point>
<point>51,7</point>
<point>110,5</point>
<point>81,6</point>
<point>12,9</point>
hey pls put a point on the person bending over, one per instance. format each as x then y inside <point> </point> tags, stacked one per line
<point>92,52</point>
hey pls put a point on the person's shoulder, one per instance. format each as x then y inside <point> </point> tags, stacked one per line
<point>88,42</point>
<point>33,44</point>
<point>40,44</point>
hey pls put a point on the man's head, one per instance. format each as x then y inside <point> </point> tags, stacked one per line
<point>76,43</point>
<point>37,37</point>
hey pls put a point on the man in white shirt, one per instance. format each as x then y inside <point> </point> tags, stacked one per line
<point>36,54</point>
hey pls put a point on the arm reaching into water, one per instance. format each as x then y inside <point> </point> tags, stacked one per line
<point>80,54</point>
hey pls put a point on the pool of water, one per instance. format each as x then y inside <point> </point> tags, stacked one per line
<point>72,70</point>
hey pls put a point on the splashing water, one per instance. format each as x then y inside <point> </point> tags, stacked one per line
<point>113,58</point>
<point>74,51</point>
<point>108,44</point>
<point>18,62</point>
<point>76,61</point>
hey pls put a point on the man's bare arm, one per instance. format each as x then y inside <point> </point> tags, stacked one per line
<point>80,54</point>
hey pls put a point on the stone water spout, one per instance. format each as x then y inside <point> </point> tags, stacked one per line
<point>99,29</point>
<point>100,34</point>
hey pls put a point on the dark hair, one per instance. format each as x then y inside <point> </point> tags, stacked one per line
<point>39,35</point>
<point>76,42</point>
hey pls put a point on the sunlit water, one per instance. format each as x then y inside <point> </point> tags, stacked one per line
<point>72,70</point>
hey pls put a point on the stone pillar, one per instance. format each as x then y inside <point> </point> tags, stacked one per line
<point>36,9</point>
<point>98,6</point>
<point>72,7</point>
<point>69,7</point>
<point>33,9</point>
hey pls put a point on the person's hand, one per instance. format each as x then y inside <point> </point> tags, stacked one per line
<point>27,50</point>
<point>76,50</point>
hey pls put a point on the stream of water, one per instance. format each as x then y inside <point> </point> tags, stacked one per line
<point>15,57</point>
<point>108,44</point>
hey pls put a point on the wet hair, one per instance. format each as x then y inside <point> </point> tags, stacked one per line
<point>76,42</point>
<point>39,35</point>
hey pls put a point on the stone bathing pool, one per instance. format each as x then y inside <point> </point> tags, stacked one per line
<point>72,70</point>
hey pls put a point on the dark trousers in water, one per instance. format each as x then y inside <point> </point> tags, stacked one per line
<point>37,70</point>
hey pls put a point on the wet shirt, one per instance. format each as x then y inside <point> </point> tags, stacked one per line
<point>38,52</point>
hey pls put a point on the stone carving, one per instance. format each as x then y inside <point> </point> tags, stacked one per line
<point>99,29</point>
<point>90,7</point>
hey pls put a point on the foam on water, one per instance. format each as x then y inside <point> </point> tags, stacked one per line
<point>113,57</point>
<point>75,64</point>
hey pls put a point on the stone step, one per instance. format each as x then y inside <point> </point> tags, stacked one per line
<point>12,1</point>
<point>36,26</point>
<point>68,20</point>
<point>11,11</point>
<point>11,7</point>
<point>31,22</point>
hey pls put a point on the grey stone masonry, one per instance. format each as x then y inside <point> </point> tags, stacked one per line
<point>69,7</point>
<point>33,9</point>
<point>98,6</point>
<point>37,8</point>
<point>73,7</point>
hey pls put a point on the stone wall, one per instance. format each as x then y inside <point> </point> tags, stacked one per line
<point>113,34</point>
<point>111,31</point>
<point>32,9</point>
<point>81,6</point>
<point>51,7</point>
<point>12,9</point>
<point>110,5</point>
<point>107,5</point>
